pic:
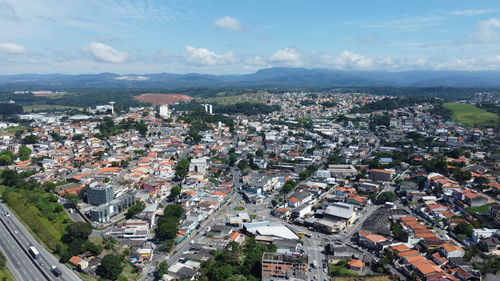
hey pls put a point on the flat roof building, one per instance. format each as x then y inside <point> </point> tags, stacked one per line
<point>285,266</point>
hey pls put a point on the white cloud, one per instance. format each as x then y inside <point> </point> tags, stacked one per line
<point>7,12</point>
<point>12,48</point>
<point>370,39</point>
<point>286,55</point>
<point>476,12</point>
<point>488,31</point>
<point>201,56</point>
<point>105,53</point>
<point>348,59</point>
<point>229,23</point>
<point>406,23</point>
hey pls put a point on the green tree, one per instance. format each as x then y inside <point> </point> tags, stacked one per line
<point>49,186</point>
<point>142,128</point>
<point>274,202</point>
<point>288,186</point>
<point>77,137</point>
<point>387,196</point>
<point>78,231</point>
<point>169,222</point>
<point>134,210</point>
<point>30,139</point>
<point>6,158</point>
<point>181,170</point>
<point>12,178</point>
<point>242,165</point>
<point>174,193</point>
<point>398,232</point>
<point>463,228</point>
<point>461,176</point>
<point>259,153</point>
<point>111,267</point>
<point>161,270</point>
<point>24,153</point>
<point>72,200</point>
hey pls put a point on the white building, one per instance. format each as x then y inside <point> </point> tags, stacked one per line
<point>208,108</point>
<point>164,111</point>
<point>482,233</point>
<point>199,165</point>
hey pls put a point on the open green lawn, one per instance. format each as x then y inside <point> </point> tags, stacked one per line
<point>472,116</point>
<point>480,209</point>
<point>239,209</point>
<point>12,130</point>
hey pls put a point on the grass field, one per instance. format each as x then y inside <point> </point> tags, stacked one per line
<point>472,116</point>
<point>47,107</point>
<point>12,130</point>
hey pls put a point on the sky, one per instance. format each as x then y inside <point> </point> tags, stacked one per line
<point>237,36</point>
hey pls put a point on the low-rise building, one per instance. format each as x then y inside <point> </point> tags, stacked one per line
<point>285,266</point>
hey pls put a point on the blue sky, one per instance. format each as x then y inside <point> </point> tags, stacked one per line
<point>182,36</point>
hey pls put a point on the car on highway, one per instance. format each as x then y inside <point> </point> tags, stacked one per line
<point>7,214</point>
<point>56,271</point>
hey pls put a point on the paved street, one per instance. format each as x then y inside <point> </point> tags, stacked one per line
<point>183,246</point>
<point>47,259</point>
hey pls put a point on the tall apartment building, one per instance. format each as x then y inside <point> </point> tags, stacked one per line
<point>164,111</point>
<point>99,194</point>
<point>290,266</point>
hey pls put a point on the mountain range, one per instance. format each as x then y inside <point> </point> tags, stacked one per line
<point>277,77</point>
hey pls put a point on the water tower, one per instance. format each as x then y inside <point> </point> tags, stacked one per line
<point>112,104</point>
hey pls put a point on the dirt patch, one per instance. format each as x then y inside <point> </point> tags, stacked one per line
<point>160,99</point>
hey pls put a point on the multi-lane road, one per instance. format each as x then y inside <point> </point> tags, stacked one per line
<point>19,263</point>
<point>15,241</point>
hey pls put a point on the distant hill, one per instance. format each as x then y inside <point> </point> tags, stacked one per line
<point>272,77</point>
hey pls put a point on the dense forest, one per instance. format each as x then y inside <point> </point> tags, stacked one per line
<point>394,103</point>
<point>490,107</point>
<point>10,108</point>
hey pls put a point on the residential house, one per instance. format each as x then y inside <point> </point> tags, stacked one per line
<point>450,250</point>
<point>298,198</point>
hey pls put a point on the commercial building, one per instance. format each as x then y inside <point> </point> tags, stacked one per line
<point>340,211</point>
<point>380,175</point>
<point>342,171</point>
<point>105,212</point>
<point>99,194</point>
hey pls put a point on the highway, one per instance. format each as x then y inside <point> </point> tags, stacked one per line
<point>19,263</point>
<point>26,239</point>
